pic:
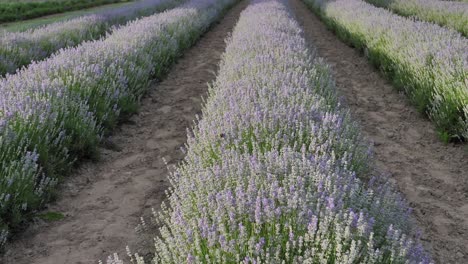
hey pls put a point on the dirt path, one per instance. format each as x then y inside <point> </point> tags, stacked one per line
<point>103,202</point>
<point>433,176</point>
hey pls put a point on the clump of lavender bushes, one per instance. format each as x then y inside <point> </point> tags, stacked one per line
<point>429,62</point>
<point>55,111</point>
<point>451,14</point>
<point>275,170</point>
<point>19,49</point>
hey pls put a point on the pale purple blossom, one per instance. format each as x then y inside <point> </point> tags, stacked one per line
<point>427,61</point>
<point>18,49</point>
<point>57,110</point>
<point>290,157</point>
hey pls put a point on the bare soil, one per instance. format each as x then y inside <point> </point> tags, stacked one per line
<point>432,175</point>
<point>103,202</point>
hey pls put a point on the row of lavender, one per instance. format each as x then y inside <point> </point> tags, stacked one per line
<point>18,49</point>
<point>56,111</point>
<point>272,172</point>
<point>450,14</point>
<point>428,61</point>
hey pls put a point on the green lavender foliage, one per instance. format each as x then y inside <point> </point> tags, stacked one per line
<point>55,111</point>
<point>451,14</point>
<point>428,62</point>
<point>273,169</point>
<point>21,10</point>
<point>18,49</point>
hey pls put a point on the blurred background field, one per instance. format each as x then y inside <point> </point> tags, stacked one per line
<point>11,11</point>
<point>40,21</point>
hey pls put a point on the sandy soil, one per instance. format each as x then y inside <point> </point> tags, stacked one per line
<point>433,176</point>
<point>104,201</point>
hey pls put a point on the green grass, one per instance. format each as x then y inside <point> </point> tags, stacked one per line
<point>17,11</point>
<point>41,21</point>
<point>51,216</point>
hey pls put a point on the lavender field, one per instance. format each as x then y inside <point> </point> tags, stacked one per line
<point>18,49</point>
<point>429,62</point>
<point>451,14</point>
<point>237,131</point>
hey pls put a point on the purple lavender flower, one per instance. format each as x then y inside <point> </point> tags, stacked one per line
<point>18,49</point>
<point>289,157</point>
<point>428,61</point>
<point>55,111</point>
<point>451,14</point>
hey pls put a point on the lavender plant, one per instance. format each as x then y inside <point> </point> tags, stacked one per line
<point>428,61</point>
<point>274,171</point>
<point>18,49</point>
<point>445,13</point>
<point>56,110</point>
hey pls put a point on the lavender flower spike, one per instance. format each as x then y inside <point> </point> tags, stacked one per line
<point>285,182</point>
